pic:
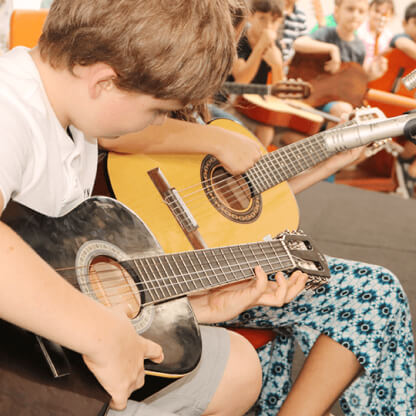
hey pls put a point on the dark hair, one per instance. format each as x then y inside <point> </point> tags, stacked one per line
<point>381,2</point>
<point>410,11</point>
<point>275,7</point>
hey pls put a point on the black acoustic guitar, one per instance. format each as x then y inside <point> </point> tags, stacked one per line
<point>108,253</point>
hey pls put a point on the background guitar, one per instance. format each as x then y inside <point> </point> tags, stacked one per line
<point>180,194</point>
<point>107,252</point>
<point>291,88</point>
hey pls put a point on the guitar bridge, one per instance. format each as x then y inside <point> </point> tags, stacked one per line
<point>178,208</point>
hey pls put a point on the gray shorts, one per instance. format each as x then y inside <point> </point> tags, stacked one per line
<point>190,395</point>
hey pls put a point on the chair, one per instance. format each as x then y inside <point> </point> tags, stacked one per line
<point>26,27</point>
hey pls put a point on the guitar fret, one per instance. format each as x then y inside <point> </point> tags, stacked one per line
<point>159,290</point>
<point>170,274</point>
<point>229,263</point>
<point>183,273</point>
<point>209,261</point>
<point>267,259</point>
<point>203,270</point>
<point>197,279</point>
<point>165,280</point>
<point>266,175</point>
<point>148,280</point>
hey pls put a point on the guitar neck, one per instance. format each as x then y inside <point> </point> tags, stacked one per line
<point>286,162</point>
<point>240,89</point>
<point>172,275</point>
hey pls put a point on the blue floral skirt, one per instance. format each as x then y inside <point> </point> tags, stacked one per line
<point>363,308</point>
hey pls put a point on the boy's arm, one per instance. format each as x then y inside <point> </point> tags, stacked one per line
<point>236,152</point>
<point>306,44</point>
<point>35,297</point>
<point>274,58</point>
<point>406,45</point>
<point>324,169</point>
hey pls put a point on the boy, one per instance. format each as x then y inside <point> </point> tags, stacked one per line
<point>258,54</point>
<point>406,42</point>
<point>373,32</point>
<point>99,70</point>
<point>343,45</point>
<point>294,26</point>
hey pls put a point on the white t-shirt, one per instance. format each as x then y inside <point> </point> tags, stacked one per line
<point>40,166</point>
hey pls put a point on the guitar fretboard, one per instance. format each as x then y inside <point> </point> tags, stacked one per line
<point>286,162</point>
<point>172,275</point>
<point>239,89</point>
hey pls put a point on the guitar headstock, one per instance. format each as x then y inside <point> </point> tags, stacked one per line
<point>366,114</point>
<point>291,88</point>
<point>301,248</point>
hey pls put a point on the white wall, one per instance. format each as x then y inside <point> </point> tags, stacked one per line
<point>328,6</point>
<point>26,4</point>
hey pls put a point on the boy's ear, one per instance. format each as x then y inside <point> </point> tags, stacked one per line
<point>101,79</point>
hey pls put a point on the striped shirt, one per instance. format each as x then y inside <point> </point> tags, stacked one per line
<point>294,26</point>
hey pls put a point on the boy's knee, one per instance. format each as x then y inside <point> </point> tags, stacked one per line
<point>248,362</point>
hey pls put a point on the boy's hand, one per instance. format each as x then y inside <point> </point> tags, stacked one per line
<point>334,63</point>
<point>227,302</point>
<point>273,57</point>
<point>377,68</point>
<point>118,361</point>
<point>267,39</point>
<point>237,153</point>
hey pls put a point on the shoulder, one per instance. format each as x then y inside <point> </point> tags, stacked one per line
<point>395,38</point>
<point>325,34</point>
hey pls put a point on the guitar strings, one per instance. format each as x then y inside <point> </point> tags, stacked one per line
<point>277,264</point>
<point>235,189</point>
<point>306,145</point>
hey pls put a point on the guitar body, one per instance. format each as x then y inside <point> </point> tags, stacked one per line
<point>28,388</point>
<point>219,223</point>
<point>277,112</point>
<point>399,65</point>
<point>98,227</point>
<point>348,84</point>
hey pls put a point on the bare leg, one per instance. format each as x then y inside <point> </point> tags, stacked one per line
<point>327,371</point>
<point>241,382</point>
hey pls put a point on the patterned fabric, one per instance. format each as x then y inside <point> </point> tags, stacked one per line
<point>363,308</point>
<point>294,26</point>
<point>6,8</point>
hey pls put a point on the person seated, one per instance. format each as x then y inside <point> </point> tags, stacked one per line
<point>343,45</point>
<point>259,55</point>
<point>294,25</point>
<point>374,32</point>
<point>406,42</point>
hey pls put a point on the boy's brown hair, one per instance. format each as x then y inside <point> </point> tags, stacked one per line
<point>410,11</point>
<point>275,7</point>
<point>381,2</point>
<point>170,49</point>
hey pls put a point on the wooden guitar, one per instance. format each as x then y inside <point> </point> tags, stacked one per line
<point>198,194</point>
<point>278,112</point>
<point>270,104</point>
<point>399,65</point>
<point>108,253</point>
<point>348,84</point>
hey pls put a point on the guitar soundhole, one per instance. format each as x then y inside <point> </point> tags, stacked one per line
<point>234,192</point>
<point>230,195</point>
<point>113,285</point>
